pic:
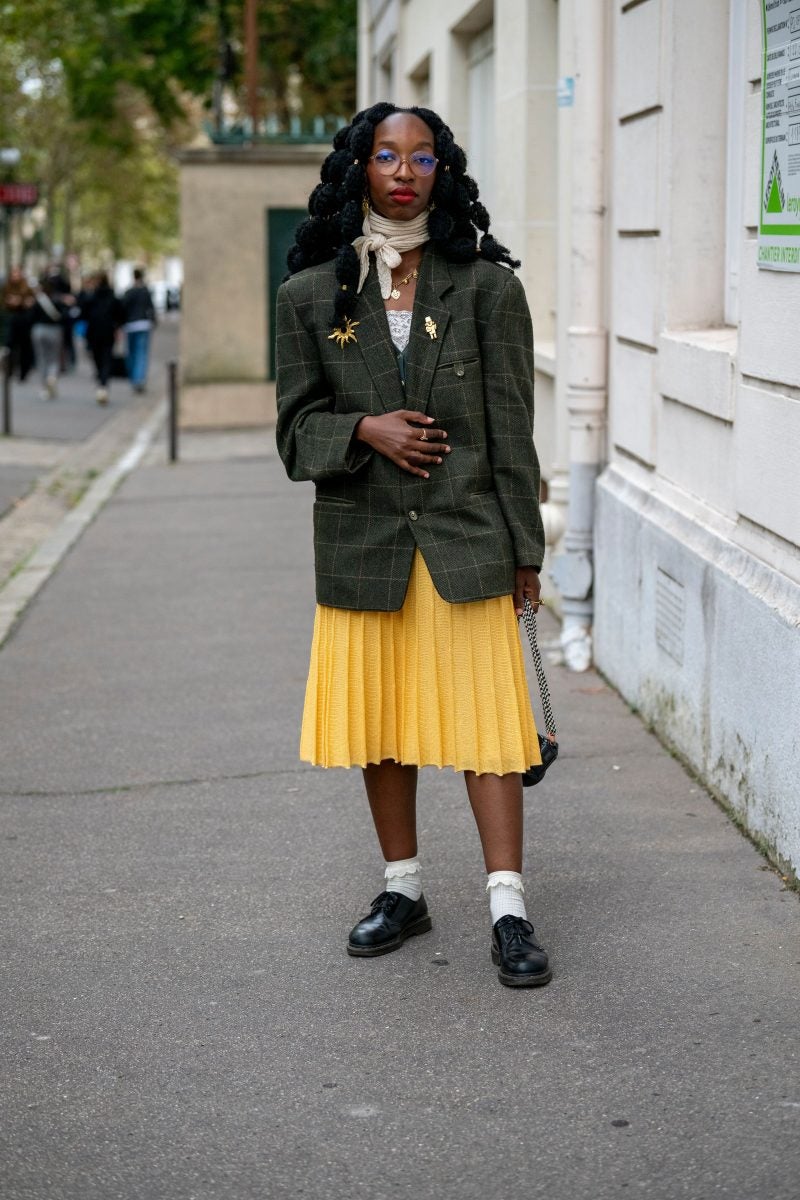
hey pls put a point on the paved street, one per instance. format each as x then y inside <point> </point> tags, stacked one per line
<point>179,1018</point>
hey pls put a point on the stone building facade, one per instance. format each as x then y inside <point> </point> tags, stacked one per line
<point>618,146</point>
<point>240,206</point>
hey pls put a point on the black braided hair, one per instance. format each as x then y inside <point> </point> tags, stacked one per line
<point>335,216</point>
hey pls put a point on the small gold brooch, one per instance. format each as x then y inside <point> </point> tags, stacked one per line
<point>430,328</point>
<point>344,335</point>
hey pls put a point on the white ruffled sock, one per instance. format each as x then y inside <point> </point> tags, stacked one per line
<point>404,876</point>
<point>505,895</point>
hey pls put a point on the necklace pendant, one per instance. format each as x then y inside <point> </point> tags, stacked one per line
<point>395,293</point>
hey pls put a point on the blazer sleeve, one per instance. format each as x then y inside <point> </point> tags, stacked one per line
<point>314,442</point>
<point>507,355</point>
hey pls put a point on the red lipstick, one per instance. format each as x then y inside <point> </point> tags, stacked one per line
<point>403,195</point>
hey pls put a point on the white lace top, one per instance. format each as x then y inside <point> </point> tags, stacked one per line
<point>399,328</point>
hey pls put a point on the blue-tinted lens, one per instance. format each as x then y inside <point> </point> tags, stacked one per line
<point>386,158</point>
<point>423,164</point>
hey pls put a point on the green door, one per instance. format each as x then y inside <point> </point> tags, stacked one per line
<point>281,224</point>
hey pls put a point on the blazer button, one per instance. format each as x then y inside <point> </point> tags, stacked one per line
<point>413,515</point>
<point>459,370</point>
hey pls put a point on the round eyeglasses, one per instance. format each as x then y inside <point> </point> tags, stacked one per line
<point>420,162</point>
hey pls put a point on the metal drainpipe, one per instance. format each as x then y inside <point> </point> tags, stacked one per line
<point>584,312</point>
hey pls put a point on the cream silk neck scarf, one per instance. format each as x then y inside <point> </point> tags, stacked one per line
<point>387,240</point>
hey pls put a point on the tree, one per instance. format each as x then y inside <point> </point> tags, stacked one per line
<point>101,201</point>
<point>97,92</point>
<point>168,50</point>
<point>316,39</point>
<point>155,49</point>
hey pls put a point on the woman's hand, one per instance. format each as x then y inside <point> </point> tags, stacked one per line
<point>527,587</point>
<point>397,436</point>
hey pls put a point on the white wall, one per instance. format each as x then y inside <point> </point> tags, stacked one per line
<point>697,560</point>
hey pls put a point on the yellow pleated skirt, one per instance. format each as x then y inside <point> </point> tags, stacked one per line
<point>433,684</point>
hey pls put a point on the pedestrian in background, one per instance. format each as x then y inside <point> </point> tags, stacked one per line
<point>18,300</point>
<point>405,392</point>
<point>81,300</point>
<point>47,324</point>
<point>104,315</point>
<point>60,288</point>
<point>140,318</point>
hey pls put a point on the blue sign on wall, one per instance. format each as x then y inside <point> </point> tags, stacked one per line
<point>566,91</point>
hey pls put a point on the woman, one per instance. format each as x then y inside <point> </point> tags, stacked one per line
<point>405,369</point>
<point>102,312</point>
<point>18,300</point>
<point>47,331</point>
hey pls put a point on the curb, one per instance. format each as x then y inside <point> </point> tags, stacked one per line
<point>21,589</point>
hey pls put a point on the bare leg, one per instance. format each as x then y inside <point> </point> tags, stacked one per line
<point>497,807</point>
<point>392,794</point>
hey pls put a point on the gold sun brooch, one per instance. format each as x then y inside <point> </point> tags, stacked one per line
<point>342,336</point>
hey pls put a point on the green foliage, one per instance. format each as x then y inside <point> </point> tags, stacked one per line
<point>166,51</point>
<point>318,38</point>
<point>95,92</point>
<point>127,206</point>
<point>102,199</point>
<point>156,49</point>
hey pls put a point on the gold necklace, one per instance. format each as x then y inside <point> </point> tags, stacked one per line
<point>395,292</point>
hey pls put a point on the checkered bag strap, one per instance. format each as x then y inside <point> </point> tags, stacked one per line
<point>529,617</point>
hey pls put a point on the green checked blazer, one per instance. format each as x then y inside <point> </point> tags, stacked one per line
<point>477,517</point>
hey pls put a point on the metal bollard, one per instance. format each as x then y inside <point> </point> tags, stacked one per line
<point>172,390</point>
<point>5,370</point>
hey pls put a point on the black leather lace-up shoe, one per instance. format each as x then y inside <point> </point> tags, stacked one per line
<point>522,961</point>
<point>393,919</point>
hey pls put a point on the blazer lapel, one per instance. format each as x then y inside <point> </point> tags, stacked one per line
<point>428,327</point>
<point>377,348</point>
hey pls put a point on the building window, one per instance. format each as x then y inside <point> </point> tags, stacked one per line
<point>420,79</point>
<point>385,73</point>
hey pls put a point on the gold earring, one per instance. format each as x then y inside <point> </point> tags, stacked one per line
<point>365,207</point>
<point>432,206</point>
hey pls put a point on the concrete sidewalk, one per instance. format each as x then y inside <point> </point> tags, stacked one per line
<point>179,1017</point>
<point>59,446</point>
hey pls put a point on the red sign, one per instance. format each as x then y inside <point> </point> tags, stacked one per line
<point>19,195</point>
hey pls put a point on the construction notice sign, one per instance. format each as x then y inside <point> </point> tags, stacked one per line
<point>779,224</point>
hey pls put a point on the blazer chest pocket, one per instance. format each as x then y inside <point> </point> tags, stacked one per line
<point>457,369</point>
